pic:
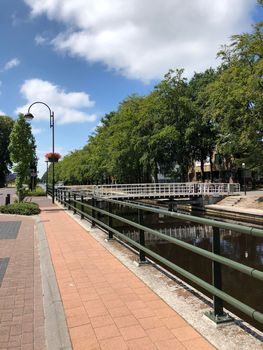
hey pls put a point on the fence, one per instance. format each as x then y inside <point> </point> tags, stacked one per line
<point>219,296</point>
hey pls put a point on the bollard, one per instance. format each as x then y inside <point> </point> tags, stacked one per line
<point>7,199</point>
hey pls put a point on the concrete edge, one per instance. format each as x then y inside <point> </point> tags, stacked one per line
<point>56,330</point>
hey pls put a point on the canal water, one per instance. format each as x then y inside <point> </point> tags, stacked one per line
<point>239,247</point>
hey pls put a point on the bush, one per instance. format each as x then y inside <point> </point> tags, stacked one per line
<point>37,192</point>
<point>20,209</point>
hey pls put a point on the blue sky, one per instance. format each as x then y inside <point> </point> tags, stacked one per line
<point>83,57</point>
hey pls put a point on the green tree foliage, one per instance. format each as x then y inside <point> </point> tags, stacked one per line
<point>22,152</point>
<point>201,132</point>
<point>6,125</point>
<point>235,99</point>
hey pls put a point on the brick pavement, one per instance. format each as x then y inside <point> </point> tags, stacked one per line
<point>106,305</point>
<point>21,308</point>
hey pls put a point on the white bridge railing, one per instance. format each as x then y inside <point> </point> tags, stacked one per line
<point>165,189</point>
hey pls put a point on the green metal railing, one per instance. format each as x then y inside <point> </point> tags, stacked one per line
<point>78,206</point>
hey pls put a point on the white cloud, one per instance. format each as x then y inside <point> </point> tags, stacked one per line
<point>143,39</point>
<point>67,107</point>
<point>11,64</point>
<point>36,131</point>
<point>1,112</point>
<point>40,40</point>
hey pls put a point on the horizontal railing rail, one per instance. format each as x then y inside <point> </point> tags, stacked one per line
<point>165,189</point>
<point>217,260</point>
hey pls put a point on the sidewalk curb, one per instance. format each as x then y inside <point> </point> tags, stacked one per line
<point>56,330</point>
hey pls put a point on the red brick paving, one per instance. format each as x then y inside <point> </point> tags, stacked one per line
<point>21,306</point>
<point>106,306</point>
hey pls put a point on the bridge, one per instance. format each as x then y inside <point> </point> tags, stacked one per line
<point>158,190</point>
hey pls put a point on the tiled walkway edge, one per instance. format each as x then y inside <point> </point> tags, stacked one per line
<point>56,330</point>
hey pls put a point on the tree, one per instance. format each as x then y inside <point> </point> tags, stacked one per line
<point>6,125</point>
<point>235,99</point>
<point>201,132</point>
<point>170,131</point>
<point>22,152</point>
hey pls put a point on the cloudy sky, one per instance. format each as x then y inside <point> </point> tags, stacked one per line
<point>83,57</point>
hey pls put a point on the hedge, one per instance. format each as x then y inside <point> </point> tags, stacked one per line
<point>23,208</point>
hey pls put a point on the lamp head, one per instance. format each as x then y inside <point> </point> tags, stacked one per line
<point>28,116</point>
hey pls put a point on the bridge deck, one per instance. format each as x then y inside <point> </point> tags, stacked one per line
<point>159,190</point>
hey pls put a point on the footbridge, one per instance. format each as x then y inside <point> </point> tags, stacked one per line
<point>158,190</point>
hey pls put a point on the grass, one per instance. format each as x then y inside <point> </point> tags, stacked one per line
<point>37,192</point>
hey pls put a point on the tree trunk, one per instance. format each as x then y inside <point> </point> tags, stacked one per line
<point>202,170</point>
<point>211,166</point>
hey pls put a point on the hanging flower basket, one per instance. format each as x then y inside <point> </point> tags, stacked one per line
<point>52,157</point>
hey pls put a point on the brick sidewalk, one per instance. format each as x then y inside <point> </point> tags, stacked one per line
<point>21,308</point>
<point>106,305</point>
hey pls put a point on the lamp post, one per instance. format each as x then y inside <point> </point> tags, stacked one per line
<point>245,187</point>
<point>30,116</point>
<point>47,178</point>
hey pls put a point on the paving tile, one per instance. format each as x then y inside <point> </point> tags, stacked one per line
<point>125,321</point>
<point>185,333</point>
<point>142,343</point>
<point>197,344</point>
<point>160,333</point>
<point>170,344</point>
<point>150,322</point>
<point>109,331</point>
<point>116,343</point>
<point>101,321</point>
<point>133,332</point>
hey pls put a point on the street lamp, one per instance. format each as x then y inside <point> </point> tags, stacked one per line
<point>30,116</point>
<point>46,178</point>
<point>245,187</point>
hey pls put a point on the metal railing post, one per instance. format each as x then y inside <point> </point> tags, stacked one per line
<point>217,275</point>
<point>217,315</point>
<point>82,207</point>
<point>74,203</point>
<point>65,198</point>
<point>69,199</point>
<point>110,234</point>
<point>142,259</point>
<point>93,211</point>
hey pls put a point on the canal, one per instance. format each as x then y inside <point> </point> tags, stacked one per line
<point>247,250</point>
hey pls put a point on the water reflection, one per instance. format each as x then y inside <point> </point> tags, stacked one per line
<point>242,248</point>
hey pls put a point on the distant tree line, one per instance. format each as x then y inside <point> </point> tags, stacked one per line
<point>179,122</point>
<point>17,151</point>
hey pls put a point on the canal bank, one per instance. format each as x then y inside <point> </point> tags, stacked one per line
<point>247,208</point>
